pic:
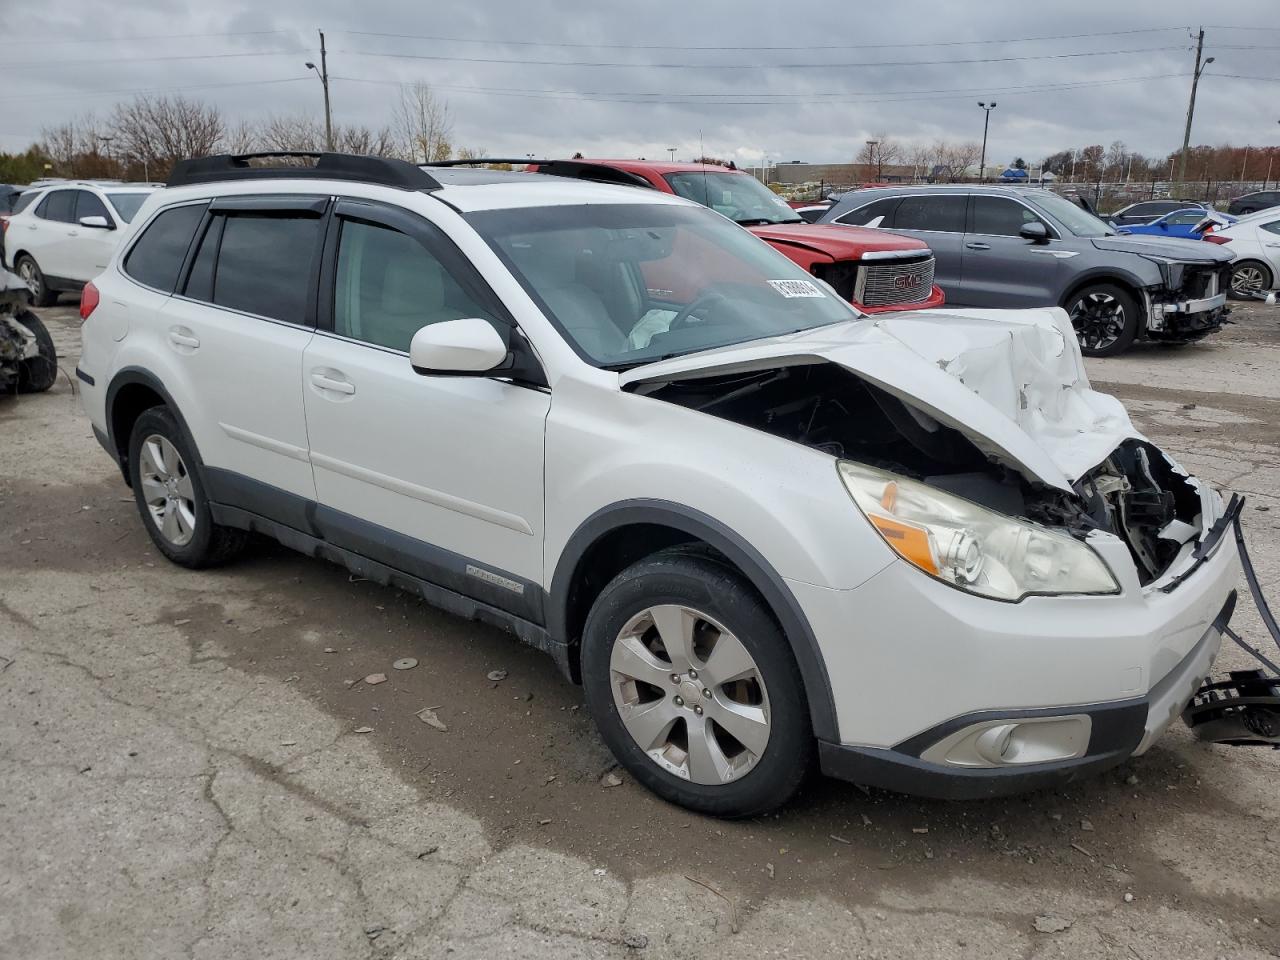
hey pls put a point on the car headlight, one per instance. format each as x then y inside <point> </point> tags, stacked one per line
<point>969,546</point>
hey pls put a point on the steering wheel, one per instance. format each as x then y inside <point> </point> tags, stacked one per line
<point>681,319</point>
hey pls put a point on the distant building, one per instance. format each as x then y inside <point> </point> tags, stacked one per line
<point>842,174</point>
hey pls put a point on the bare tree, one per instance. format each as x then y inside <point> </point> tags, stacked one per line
<point>422,124</point>
<point>959,157</point>
<point>75,148</point>
<point>241,137</point>
<point>291,132</point>
<point>920,156</point>
<point>162,130</point>
<point>364,141</point>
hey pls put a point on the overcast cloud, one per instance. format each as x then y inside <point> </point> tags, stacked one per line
<point>72,56</point>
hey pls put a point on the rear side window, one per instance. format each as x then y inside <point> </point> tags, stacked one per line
<point>157,256</point>
<point>60,206</point>
<point>943,214</point>
<point>1000,217</point>
<point>88,205</point>
<point>864,215</point>
<point>1272,227</point>
<point>265,265</point>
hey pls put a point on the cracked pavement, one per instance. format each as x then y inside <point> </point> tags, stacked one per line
<point>182,772</point>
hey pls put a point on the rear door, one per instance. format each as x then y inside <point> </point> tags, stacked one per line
<point>236,331</point>
<point>48,234</point>
<point>1001,269</point>
<point>939,220</point>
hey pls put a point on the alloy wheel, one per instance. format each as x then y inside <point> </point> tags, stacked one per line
<point>690,694</point>
<point>167,490</point>
<point>1098,319</point>
<point>31,277</point>
<point>1247,279</point>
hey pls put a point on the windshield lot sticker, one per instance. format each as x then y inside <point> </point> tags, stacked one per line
<point>796,288</point>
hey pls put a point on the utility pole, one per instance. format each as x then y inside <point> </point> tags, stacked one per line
<point>1191,104</point>
<point>871,156</point>
<point>982,165</point>
<point>323,74</point>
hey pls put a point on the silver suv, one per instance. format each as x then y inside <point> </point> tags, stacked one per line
<point>1014,247</point>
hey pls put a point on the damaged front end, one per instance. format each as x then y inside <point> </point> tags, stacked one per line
<point>1190,304</point>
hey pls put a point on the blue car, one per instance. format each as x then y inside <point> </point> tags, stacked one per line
<point>1180,223</point>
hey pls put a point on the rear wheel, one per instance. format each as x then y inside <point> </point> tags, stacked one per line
<point>1105,319</point>
<point>33,277</point>
<point>694,687</point>
<point>1249,278</point>
<point>171,497</point>
<point>37,374</point>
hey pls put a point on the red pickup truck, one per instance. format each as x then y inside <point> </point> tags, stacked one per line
<point>876,271</point>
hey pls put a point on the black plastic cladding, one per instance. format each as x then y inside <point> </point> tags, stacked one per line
<point>328,166</point>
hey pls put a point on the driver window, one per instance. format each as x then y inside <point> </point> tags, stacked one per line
<point>389,286</point>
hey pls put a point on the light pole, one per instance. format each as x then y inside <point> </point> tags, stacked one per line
<point>986,122</point>
<point>1191,104</point>
<point>323,73</point>
<point>871,156</point>
<point>672,151</point>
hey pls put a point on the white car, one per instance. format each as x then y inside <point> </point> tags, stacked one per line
<point>63,237</point>
<point>760,528</point>
<point>1255,241</point>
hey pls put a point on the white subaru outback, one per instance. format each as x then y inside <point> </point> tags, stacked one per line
<point>761,529</point>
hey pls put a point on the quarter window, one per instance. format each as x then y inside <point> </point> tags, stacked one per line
<point>59,206</point>
<point>388,286</point>
<point>878,209</point>
<point>942,213</point>
<point>1000,217</point>
<point>157,256</point>
<point>1272,227</point>
<point>265,265</point>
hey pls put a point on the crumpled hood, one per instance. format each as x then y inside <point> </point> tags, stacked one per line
<point>1166,248</point>
<point>1012,381</point>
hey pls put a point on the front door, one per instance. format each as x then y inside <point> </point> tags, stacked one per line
<point>1001,268</point>
<point>440,477</point>
<point>93,245</point>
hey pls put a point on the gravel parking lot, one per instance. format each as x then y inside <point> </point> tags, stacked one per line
<point>196,764</point>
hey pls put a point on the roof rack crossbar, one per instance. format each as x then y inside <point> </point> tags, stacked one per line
<point>328,166</point>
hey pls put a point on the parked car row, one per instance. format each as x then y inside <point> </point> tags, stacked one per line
<point>763,531</point>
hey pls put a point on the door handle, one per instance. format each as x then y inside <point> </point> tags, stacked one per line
<point>73,233</point>
<point>182,337</point>
<point>329,383</point>
<point>978,246</point>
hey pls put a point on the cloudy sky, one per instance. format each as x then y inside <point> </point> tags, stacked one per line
<point>809,81</point>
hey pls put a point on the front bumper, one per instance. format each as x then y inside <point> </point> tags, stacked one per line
<point>1117,731</point>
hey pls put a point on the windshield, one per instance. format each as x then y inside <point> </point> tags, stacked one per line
<point>739,196</point>
<point>127,204</point>
<point>1076,219</point>
<point>630,283</point>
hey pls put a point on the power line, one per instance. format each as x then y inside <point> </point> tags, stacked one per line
<point>184,56</point>
<point>42,41</point>
<point>751,66</point>
<point>811,46</point>
<point>144,91</point>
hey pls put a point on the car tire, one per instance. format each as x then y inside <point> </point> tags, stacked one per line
<point>37,374</point>
<point>1247,277</point>
<point>170,495</point>
<point>633,686</point>
<point>27,268</point>
<point>1105,317</point>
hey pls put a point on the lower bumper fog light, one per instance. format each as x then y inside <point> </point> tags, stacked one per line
<point>1013,742</point>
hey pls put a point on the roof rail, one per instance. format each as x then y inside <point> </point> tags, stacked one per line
<point>481,161</point>
<point>574,169</point>
<point>327,166</point>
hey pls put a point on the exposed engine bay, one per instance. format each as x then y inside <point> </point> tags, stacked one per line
<point>1136,493</point>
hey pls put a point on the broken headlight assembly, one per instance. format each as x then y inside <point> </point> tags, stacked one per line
<point>971,547</point>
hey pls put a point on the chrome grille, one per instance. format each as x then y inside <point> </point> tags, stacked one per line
<point>894,281</point>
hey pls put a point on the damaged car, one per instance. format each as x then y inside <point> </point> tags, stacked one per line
<point>765,532</point>
<point>28,360</point>
<point>1010,247</point>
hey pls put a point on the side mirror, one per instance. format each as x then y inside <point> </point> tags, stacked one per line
<point>459,347</point>
<point>98,222</point>
<point>1164,225</point>
<point>1035,231</point>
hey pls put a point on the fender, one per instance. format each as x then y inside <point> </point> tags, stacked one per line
<point>771,586</point>
<point>140,375</point>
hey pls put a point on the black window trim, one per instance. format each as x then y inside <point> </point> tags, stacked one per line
<point>216,214</point>
<point>417,227</point>
<point>125,254</point>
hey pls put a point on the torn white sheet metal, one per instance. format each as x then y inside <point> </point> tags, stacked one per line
<point>1012,381</point>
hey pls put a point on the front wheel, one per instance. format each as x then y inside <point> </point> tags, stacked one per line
<point>37,374</point>
<point>694,688</point>
<point>1105,318</point>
